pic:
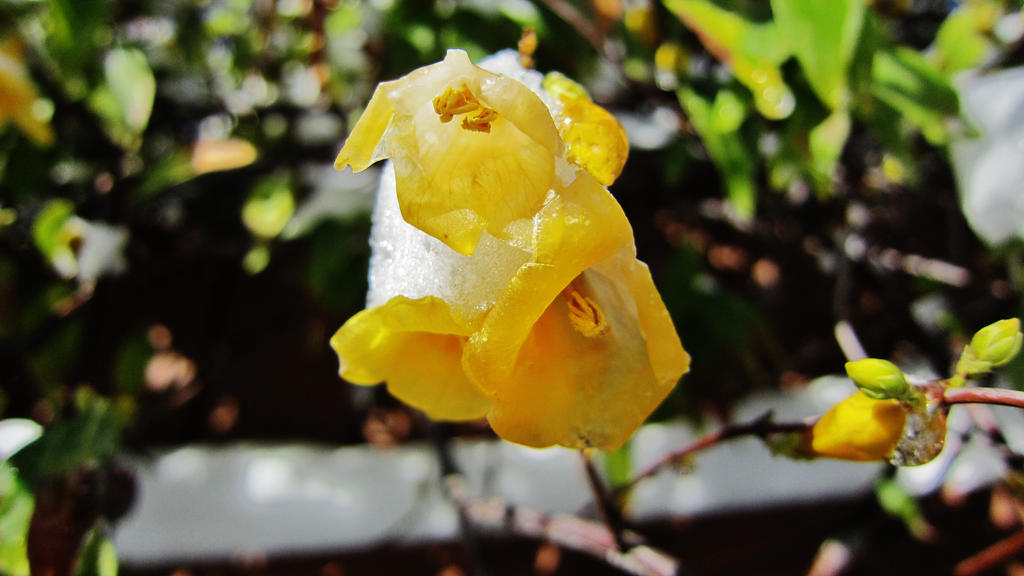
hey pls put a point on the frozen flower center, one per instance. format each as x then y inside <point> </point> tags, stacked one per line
<point>584,314</point>
<point>455,101</point>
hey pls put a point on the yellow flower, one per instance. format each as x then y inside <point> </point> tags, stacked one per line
<point>504,281</point>
<point>18,96</point>
<point>859,428</point>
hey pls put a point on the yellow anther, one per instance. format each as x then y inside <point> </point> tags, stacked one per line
<point>479,121</point>
<point>454,101</point>
<point>584,314</point>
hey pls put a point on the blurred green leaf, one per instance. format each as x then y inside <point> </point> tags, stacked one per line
<point>256,259</point>
<point>131,81</point>
<point>125,100</point>
<point>905,80</point>
<point>338,261</point>
<point>53,237</point>
<point>826,142</point>
<point>823,36</point>
<point>753,51</point>
<point>896,502</point>
<point>960,44</point>
<point>130,365</point>
<point>87,440</point>
<point>269,206</point>
<point>173,169</point>
<point>16,505</point>
<point>97,556</point>
<point>718,125</point>
<point>46,228</point>
<point>75,30</point>
<point>618,465</point>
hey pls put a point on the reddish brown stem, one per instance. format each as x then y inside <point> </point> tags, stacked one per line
<point>761,427</point>
<point>995,555</point>
<point>983,396</point>
<point>567,531</point>
<point>606,507</point>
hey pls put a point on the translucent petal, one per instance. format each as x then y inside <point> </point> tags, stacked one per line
<point>416,346</point>
<point>574,230</point>
<point>594,139</point>
<point>454,181</point>
<point>583,388</point>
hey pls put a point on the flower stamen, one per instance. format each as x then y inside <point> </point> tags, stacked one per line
<point>479,121</point>
<point>584,314</point>
<point>455,101</point>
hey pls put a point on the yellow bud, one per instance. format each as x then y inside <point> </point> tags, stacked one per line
<point>859,428</point>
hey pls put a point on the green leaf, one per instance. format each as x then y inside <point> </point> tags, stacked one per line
<point>16,506</point>
<point>896,502</point>
<point>826,142</point>
<point>960,44</point>
<point>75,29</point>
<point>53,236</point>
<point>125,99</point>
<point>49,223</point>
<point>87,440</point>
<point>132,83</point>
<point>618,466</point>
<point>718,125</point>
<point>903,79</point>
<point>97,557</point>
<point>753,51</point>
<point>173,169</point>
<point>823,36</point>
<point>269,207</point>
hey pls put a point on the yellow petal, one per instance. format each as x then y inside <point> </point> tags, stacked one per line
<point>575,229</point>
<point>416,347</point>
<point>859,428</point>
<point>668,359</point>
<point>491,168</point>
<point>594,139</point>
<point>551,378</point>
<point>365,145</point>
<point>586,375</point>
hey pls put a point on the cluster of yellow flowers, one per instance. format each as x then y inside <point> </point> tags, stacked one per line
<point>504,281</point>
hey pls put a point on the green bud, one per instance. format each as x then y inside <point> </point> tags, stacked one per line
<point>878,379</point>
<point>995,344</point>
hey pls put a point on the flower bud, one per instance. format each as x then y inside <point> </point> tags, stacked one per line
<point>878,379</point>
<point>995,345</point>
<point>858,428</point>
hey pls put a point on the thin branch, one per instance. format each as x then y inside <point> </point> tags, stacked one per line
<point>995,555</point>
<point>762,427</point>
<point>996,396</point>
<point>467,530</point>
<point>570,532</point>
<point>606,507</point>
